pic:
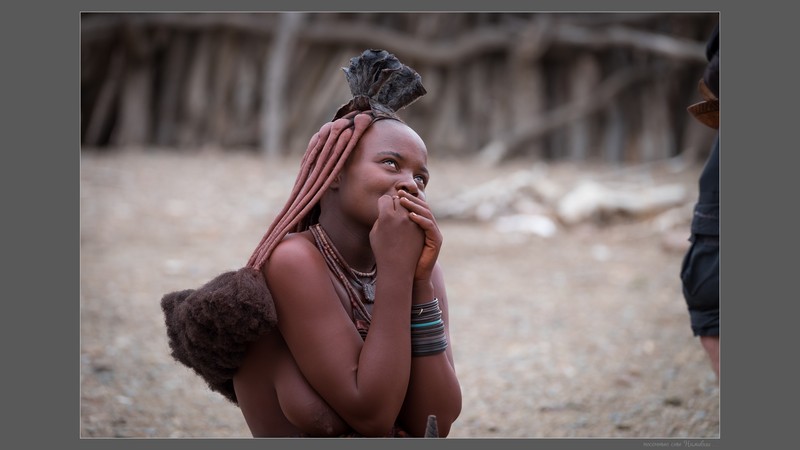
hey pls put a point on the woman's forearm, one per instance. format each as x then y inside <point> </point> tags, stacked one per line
<point>433,390</point>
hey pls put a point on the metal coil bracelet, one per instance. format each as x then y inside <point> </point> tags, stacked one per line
<point>427,329</point>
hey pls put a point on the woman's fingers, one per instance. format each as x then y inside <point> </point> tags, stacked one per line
<point>415,205</point>
<point>387,203</point>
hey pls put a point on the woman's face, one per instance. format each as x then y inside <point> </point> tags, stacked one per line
<point>390,157</point>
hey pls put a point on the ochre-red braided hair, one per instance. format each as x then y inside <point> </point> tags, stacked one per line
<point>325,156</point>
<point>380,85</point>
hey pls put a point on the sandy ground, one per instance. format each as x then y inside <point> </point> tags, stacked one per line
<point>581,334</point>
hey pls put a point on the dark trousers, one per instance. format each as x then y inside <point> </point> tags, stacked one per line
<point>700,279</point>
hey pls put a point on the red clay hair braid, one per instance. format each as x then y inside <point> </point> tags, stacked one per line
<point>324,158</point>
<point>381,85</point>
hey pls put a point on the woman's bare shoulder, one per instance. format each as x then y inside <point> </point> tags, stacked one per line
<point>295,250</point>
<point>296,254</point>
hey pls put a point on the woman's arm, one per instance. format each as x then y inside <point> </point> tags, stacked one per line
<point>433,387</point>
<point>365,382</point>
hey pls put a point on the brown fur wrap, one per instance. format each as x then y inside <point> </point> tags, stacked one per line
<point>210,328</point>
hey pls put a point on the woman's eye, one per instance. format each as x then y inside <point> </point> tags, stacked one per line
<point>420,179</point>
<point>391,162</point>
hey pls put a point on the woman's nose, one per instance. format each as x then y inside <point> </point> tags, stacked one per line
<point>409,185</point>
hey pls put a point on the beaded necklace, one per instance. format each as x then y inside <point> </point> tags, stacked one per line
<point>353,280</point>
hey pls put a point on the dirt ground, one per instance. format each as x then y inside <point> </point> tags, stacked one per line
<point>580,334</point>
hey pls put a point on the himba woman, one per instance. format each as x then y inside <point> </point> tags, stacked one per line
<point>338,325</point>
